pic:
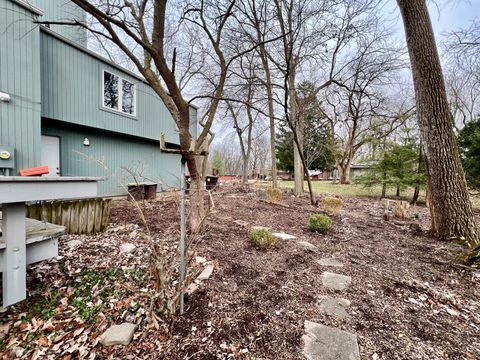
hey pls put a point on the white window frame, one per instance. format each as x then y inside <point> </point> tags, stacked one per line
<point>120,94</point>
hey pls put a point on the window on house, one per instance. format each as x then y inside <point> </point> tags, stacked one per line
<point>118,94</point>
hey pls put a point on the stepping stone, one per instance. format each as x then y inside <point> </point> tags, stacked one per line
<point>118,334</point>
<point>336,281</point>
<point>326,343</point>
<point>334,306</point>
<point>241,222</point>
<point>307,246</point>
<point>329,262</point>
<point>127,248</point>
<point>206,273</point>
<point>200,260</point>
<point>283,236</point>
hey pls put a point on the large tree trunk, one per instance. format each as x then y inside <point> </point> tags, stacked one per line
<point>298,171</point>
<point>271,115</point>
<point>246,160</point>
<point>451,210</point>
<point>344,172</point>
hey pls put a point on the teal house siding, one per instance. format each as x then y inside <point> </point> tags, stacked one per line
<point>56,115</point>
<point>63,10</point>
<point>20,78</point>
<point>119,158</point>
<point>72,92</point>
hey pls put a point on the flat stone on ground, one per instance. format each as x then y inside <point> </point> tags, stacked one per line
<point>127,248</point>
<point>118,334</point>
<point>206,273</point>
<point>321,342</point>
<point>241,222</point>
<point>336,281</point>
<point>334,306</point>
<point>329,262</point>
<point>200,259</point>
<point>283,236</point>
<point>307,246</point>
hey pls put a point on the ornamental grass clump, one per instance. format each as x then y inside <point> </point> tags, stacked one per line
<point>261,237</point>
<point>320,223</point>
<point>274,195</point>
<point>332,205</point>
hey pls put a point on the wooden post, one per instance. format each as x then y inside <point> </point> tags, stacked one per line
<point>14,273</point>
<point>98,215</point>
<point>90,216</point>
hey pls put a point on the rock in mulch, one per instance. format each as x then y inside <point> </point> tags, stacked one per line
<point>326,343</point>
<point>241,222</point>
<point>336,281</point>
<point>127,248</point>
<point>308,246</point>
<point>118,334</point>
<point>334,306</point>
<point>206,273</point>
<point>283,236</point>
<point>200,260</point>
<point>329,262</point>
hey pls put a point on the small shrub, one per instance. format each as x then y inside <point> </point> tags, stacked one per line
<point>320,223</point>
<point>332,205</point>
<point>261,237</point>
<point>274,194</point>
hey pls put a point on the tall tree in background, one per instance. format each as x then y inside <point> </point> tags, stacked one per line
<point>449,201</point>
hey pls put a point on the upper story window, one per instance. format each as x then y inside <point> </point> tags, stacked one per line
<point>119,94</point>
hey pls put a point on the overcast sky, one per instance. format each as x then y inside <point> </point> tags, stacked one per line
<point>447,16</point>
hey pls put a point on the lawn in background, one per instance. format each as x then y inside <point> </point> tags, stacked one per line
<point>329,188</point>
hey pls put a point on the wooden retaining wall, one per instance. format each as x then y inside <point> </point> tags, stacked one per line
<point>86,216</point>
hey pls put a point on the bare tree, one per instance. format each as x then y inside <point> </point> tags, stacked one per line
<point>363,108</point>
<point>139,29</point>
<point>449,201</point>
<point>254,19</point>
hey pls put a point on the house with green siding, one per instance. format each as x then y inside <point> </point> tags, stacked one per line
<point>64,106</point>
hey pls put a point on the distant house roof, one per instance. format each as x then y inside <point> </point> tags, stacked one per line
<point>361,166</point>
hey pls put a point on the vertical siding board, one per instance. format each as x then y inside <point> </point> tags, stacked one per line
<point>74,80</point>
<point>19,77</point>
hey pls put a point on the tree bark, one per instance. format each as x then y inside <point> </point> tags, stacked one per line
<point>416,192</point>
<point>344,173</point>
<point>450,206</point>
<point>298,171</point>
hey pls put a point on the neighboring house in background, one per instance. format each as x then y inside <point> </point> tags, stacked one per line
<point>75,111</point>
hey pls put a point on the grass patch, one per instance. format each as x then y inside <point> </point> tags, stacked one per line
<point>329,188</point>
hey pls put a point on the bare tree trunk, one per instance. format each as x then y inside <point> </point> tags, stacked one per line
<point>298,171</point>
<point>344,172</point>
<point>416,192</point>
<point>450,206</point>
<point>271,115</point>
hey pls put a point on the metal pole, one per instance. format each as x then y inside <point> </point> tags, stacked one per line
<point>182,231</point>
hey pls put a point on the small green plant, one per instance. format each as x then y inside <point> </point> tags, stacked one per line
<point>274,195</point>
<point>261,237</point>
<point>332,205</point>
<point>320,223</point>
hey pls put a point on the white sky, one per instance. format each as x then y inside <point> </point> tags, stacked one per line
<point>446,15</point>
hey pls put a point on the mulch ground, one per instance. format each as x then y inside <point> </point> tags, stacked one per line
<point>409,298</point>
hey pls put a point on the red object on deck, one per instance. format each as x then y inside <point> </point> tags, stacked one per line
<point>40,170</point>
